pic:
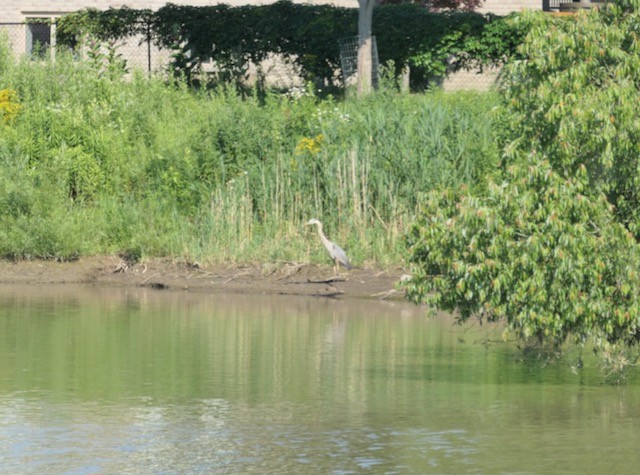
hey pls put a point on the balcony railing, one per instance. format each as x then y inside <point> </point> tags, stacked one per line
<point>568,5</point>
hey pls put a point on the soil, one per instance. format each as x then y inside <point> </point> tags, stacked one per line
<point>282,278</point>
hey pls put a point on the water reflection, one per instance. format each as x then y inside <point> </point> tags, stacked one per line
<point>136,381</point>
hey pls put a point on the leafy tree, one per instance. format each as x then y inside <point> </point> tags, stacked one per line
<point>551,250</point>
<point>537,252</point>
<point>575,99</point>
<point>365,42</point>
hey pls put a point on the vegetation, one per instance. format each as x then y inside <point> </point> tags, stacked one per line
<point>575,100</point>
<point>537,253</point>
<point>551,248</point>
<point>94,162</point>
<point>308,36</point>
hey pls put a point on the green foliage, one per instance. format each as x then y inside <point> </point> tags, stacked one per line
<point>575,100</point>
<point>499,41</point>
<point>433,44</point>
<point>6,53</point>
<point>105,59</point>
<point>537,252</point>
<point>136,165</point>
<point>550,248</point>
<point>35,216</point>
<point>104,25</point>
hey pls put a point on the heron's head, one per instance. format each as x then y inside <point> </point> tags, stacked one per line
<point>312,221</point>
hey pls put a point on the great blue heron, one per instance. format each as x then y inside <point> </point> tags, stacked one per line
<point>337,254</point>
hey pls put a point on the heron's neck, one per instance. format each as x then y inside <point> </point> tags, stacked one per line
<point>323,237</point>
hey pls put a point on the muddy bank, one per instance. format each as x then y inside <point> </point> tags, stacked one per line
<point>282,278</point>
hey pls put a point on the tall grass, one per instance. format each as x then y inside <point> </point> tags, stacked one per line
<point>95,164</point>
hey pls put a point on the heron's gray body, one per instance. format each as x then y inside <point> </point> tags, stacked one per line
<point>337,254</point>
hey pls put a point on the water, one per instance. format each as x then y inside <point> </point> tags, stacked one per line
<point>140,381</point>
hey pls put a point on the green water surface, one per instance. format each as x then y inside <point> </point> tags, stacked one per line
<point>142,381</point>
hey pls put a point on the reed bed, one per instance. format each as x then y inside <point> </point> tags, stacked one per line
<point>94,163</point>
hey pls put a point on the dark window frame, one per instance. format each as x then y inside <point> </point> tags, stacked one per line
<point>38,36</point>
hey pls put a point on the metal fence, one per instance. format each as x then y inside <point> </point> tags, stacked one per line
<point>140,53</point>
<point>349,60</point>
<point>570,5</point>
<point>15,35</point>
<point>550,5</point>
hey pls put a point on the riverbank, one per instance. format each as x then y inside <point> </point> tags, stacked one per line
<point>280,278</point>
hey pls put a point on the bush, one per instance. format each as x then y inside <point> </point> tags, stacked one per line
<point>551,249</point>
<point>574,100</point>
<point>537,253</point>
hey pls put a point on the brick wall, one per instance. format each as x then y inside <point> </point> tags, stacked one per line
<point>503,7</point>
<point>471,80</point>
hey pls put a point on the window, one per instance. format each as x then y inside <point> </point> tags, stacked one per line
<point>38,37</point>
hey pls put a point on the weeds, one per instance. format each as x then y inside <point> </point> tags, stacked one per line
<point>96,164</point>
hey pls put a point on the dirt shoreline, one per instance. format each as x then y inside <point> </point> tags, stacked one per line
<point>282,278</point>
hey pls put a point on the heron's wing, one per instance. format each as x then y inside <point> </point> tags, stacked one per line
<point>338,254</point>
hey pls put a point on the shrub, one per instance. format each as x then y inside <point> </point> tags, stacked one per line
<point>537,253</point>
<point>9,104</point>
<point>574,100</point>
<point>551,249</point>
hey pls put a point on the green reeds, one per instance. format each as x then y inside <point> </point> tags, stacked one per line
<point>149,166</point>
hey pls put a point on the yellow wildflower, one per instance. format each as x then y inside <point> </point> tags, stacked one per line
<point>9,105</point>
<point>310,145</point>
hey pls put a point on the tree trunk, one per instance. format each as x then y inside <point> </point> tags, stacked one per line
<point>365,46</point>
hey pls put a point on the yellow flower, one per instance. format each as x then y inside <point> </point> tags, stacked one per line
<point>9,105</point>
<point>310,145</point>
